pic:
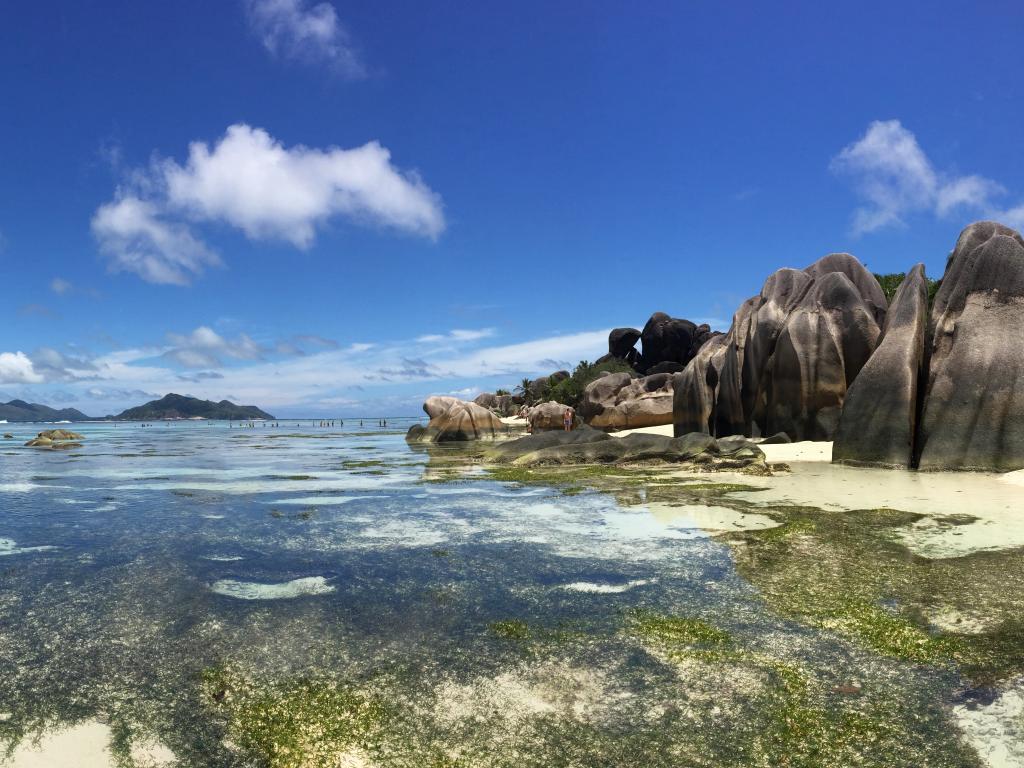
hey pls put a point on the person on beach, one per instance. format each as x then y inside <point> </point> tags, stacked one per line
<point>567,419</point>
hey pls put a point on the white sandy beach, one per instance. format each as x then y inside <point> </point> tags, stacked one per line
<point>85,745</point>
<point>994,501</point>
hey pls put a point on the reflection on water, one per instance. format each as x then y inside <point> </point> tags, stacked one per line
<point>198,595</point>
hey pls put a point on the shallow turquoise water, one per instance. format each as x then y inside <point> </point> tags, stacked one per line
<point>133,566</point>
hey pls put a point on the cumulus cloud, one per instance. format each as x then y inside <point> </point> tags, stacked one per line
<point>895,178</point>
<point>135,237</point>
<point>205,348</point>
<point>296,29</point>
<point>17,368</point>
<point>251,181</point>
<point>53,365</point>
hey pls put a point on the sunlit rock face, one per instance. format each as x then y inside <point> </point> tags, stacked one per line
<point>973,416</point>
<point>880,411</point>
<point>789,356</point>
<point>453,420</point>
<point>695,389</point>
<point>622,401</point>
<point>826,341</point>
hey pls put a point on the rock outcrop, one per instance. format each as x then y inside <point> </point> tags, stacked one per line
<point>549,416</point>
<point>621,401</point>
<point>666,339</point>
<point>56,439</point>
<point>788,358</point>
<point>695,390</point>
<point>622,344</point>
<point>973,410</point>
<point>947,394</point>
<point>588,446</point>
<point>459,421</point>
<point>879,418</point>
<point>436,405</point>
<point>827,339</point>
<point>500,405</point>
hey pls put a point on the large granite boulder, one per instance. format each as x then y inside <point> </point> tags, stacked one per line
<point>549,416</point>
<point>55,439</point>
<point>865,282</point>
<point>622,342</point>
<point>460,421</point>
<point>827,339</point>
<point>879,417</point>
<point>620,401</point>
<point>781,293</point>
<point>695,390</point>
<point>729,417</point>
<point>789,356</point>
<point>666,339</point>
<point>666,367</point>
<point>973,416</point>
<point>589,446</point>
<point>436,405</point>
<point>501,405</point>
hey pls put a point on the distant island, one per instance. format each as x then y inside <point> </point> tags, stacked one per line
<point>19,410</point>
<point>174,406</point>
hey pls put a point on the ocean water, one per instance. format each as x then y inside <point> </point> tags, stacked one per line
<point>330,596</point>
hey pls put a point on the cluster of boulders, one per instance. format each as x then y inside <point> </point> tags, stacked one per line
<point>819,354</point>
<point>501,405</point>
<point>625,401</point>
<point>667,344</point>
<point>587,445</point>
<point>945,389</point>
<point>55,439</point>
<point>788,358</point>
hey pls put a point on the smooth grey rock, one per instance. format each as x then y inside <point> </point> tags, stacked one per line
<point>589,446</point>
<point>622,341</point>
<point>973,416</point>
<point>827,339</point>
<point>866,284</point>
<point>781,293</point>
<point>549,416</point>
<point>879,417</point>
<point>459,422</point>
<point>620,401</point>
<point>666,339</point>
<point>695,390</point>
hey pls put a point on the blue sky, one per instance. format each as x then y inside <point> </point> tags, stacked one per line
<point>339,208</point>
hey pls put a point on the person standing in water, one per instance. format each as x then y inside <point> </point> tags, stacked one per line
<point>567,419</point>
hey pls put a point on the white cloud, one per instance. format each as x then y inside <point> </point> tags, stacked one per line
<point>894,176</point>
<point>457,334</point>
<point>296,29</point>
<point>401,370</point>
<point>205,348</point>
<point>16,368</point>
<point>251,181</point>
<point>134,236</point>
<point>60,286</point>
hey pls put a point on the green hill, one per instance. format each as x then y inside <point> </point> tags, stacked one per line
<point>174,406</point>
<point>19,410</point>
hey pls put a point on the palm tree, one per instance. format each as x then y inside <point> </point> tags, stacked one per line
<point>523,389</point>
